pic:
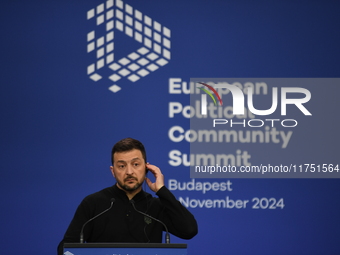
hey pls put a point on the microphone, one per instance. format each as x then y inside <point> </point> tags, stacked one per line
<point>167,236</point>
<point>82,229</point>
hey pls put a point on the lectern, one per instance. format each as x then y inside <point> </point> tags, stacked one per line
<point>124,249</point>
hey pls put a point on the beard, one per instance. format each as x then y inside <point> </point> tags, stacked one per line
<point>129,188</point>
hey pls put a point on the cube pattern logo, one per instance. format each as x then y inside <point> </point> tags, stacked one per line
<point>114,16</point>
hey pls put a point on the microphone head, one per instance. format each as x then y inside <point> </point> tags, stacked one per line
<point>113,200</point>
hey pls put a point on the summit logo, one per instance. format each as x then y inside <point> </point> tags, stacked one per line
<point>114,16</point>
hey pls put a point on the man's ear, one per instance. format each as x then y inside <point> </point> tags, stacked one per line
<point>112,171</point>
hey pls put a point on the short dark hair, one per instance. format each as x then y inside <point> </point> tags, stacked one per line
<point>128,144</point>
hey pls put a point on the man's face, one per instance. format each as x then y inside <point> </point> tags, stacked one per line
<point>129,169</point>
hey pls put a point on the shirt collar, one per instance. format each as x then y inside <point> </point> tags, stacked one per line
<point>121,193</point>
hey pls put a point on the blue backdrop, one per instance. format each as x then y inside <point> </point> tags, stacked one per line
<point>58,124</point>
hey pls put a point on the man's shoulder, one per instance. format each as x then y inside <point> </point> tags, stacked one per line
<point>103,194</point>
